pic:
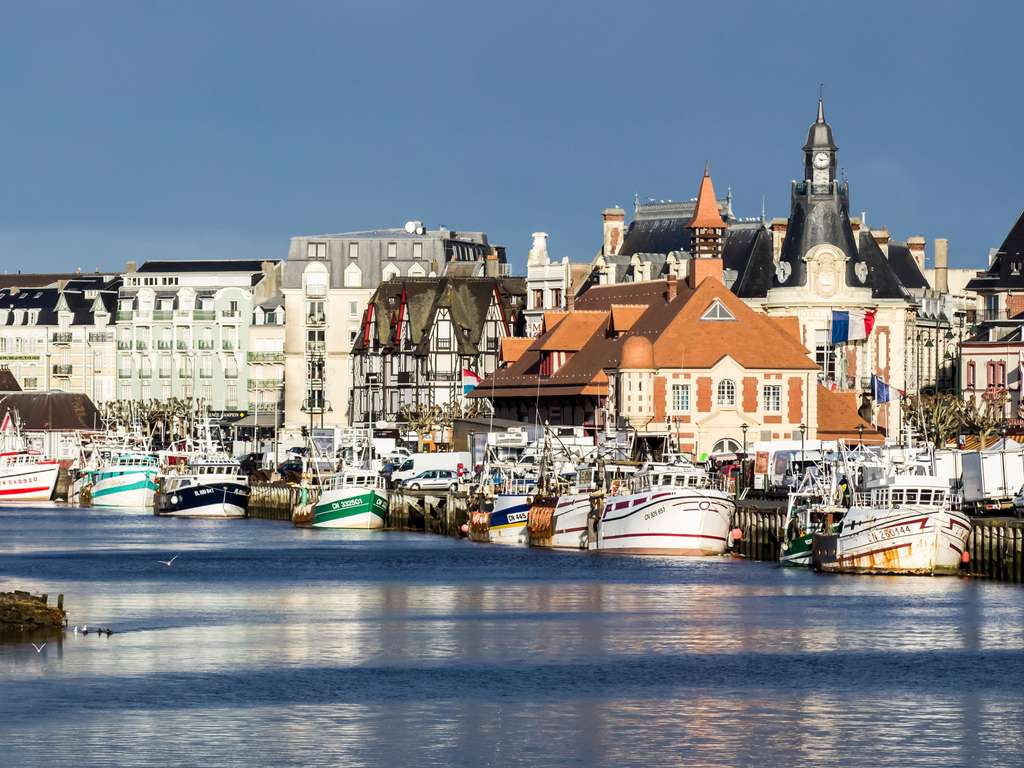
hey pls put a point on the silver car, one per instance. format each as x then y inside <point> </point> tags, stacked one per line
<point>433,480</point>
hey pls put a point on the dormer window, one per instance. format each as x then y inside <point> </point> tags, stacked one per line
<point>316,251</point>
<point>717,311</point>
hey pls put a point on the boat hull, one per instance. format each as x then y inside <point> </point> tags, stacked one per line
<point>903,540</point>
<point>358,508</point>
<point>565,523</point>
<point>124,488</point>
<point>214,500</point>
<point>670,521</point>
<point>28,482</point>
<point>509,518</point>
<point>797,552</point>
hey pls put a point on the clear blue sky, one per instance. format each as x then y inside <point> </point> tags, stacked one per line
<point>143,130</point>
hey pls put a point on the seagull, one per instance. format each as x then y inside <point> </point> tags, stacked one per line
<point>168,563</point>
<point>39,648</point>
<point>76,629</point>
<point>85,629</point>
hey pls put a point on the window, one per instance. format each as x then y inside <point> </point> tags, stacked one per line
<point>726,393</point>
<point>556,297</point>
<point>443,334</point>
<point>316,251</point>
<point>417,250</point>
<point>31,382</point>
<point>824,354</point>
<point>971,375</point>
<point>353,309</point>
<point>538,298</point>
<point>717,311</point>
<point>353,250</point>
<point>1001,374</point>
<point>772,398</point>
<point>315,312</point>
<point>392,250</point>
<point>390,271</point>
<point>353,275</point>
<point>351,337</point>
<point>992,307</point>
<point>680,397</point>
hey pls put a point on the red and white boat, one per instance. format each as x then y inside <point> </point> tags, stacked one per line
<point>27,476</point>
<point>666,509</point>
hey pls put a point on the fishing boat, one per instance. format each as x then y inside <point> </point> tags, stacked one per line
<point>212,488</point>
<point>128,480</point>
<point>666,509</point>
<point>27,476</point>
<point>814,506</point>
<point>903,524</point>
<point>352,498</point>
<point>509,515</point>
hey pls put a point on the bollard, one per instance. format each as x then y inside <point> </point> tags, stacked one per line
<point>60,601</point>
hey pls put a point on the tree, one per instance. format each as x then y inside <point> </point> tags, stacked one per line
<point>984,415</point>
<point>937,416</point>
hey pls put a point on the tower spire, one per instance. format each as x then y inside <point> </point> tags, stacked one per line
<point>821,104</point>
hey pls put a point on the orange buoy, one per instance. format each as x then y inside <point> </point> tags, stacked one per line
<point>736,534</point>
<point>965,557</point>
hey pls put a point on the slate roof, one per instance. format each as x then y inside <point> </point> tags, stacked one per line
<point>1000,275</point>
<point>905,266</point>
<point>45,301</point>
<point>467,300</point>
<point>206,265</point>
<point>51,411</point>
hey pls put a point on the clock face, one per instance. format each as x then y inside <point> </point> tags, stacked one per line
<point>821,160</point>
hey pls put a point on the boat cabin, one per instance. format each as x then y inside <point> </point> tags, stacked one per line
<point>908,491</point>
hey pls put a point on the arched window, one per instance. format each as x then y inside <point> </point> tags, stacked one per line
<point>390,271</point>
<point>726,392</point>
<point>726,446</point>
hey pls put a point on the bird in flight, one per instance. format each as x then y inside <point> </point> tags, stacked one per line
<point>39,648</point>
<point>168,563</point>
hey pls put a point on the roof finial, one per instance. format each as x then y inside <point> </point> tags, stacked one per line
<point>821,103</point>
<point>764,201</point>
<point>707,167</point>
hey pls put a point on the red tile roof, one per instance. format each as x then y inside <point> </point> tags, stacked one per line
<point>706,213</point>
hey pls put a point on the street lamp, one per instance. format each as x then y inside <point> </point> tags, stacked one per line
<point>860,431</point>
<point>743,429</point>
<point>803,431</point>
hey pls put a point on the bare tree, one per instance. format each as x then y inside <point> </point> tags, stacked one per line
<point>938,417</point>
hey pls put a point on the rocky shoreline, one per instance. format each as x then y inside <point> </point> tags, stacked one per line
<point>26,612</point>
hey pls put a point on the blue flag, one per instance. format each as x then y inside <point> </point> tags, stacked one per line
<point>880,390</point>
<point>840,327</point>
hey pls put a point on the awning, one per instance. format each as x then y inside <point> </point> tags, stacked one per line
<point>251,420</point>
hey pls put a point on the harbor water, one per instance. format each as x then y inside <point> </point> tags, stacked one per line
<point>265,644</point>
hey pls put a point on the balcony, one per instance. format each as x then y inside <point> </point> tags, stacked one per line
<point>146,373</point>
<point>62,370</point>
<point>265,384</point>
<point>205,374</point>
<point>404,377</point>
<point>230,313</point>
<point>265,357</point>
<point>316,319</point>
<point>123,345</point>
<point>165,373</point>
<point>100,338</point>
<point>315,347</point>
<point>163,314</point>
<point>203,314</point>
<point>142,345</point>
<point>124,316</point>
<point>163,344</point>
<point>62,337</point>
<point>227,345</point>
<point>181,344</point>
<point>231,373</point>
<point>124,373</point>
<point>204,345</point>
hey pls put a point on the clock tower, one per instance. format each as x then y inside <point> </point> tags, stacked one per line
<point>820,155</point>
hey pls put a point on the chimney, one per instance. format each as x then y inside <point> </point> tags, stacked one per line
<point>538,256</point>
<point>778,227</point>
<point>614,221</point>
<point>491,264</point>
<point>703,268</point>
<point>671,290</point>
<point>882,238</point>
<point>941,265</point>
<point>916,246</point>
<point>131,266</point>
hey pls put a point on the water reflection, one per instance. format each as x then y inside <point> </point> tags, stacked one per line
<point>269,645</point>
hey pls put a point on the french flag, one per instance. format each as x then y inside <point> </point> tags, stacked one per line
<point>469,381</point>
<point>852,325</point>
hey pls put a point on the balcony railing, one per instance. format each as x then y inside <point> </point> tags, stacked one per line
<point>163,344</point>
<point>316,319</point>
<point>163,314</point>
<point>124,373</point>
<point>165,373</point>
<point>124,345</point>
<point>227,346</point>
<point>181,344</point>
<point>62,337</point>
<point>203,314</point>
<point>206,374</point>
<point>230,313</point>
<point>230,373</point>
<point>100,338</point>
<point>141,345</point>
<point>124,316</point>
<point>315,347</point>
<point>62,370</point>
<point>146,373</point>
<point>255,384</point>
<point>265,357</point>
<point>204,344</point>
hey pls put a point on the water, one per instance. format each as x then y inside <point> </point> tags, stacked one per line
<point>268,645</point>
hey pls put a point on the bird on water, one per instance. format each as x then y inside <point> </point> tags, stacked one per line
<point>168,563</point>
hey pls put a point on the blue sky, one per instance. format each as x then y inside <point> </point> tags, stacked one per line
<point>212,129</point>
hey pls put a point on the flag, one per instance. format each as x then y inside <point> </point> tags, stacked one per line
<point>851,325</point>
<point>469,381</point>
<point>880,390</point>
<point>6,423</point>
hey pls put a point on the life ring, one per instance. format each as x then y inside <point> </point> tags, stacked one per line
<point>616,487</point>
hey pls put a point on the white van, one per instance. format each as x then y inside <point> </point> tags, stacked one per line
<point>458,462</point>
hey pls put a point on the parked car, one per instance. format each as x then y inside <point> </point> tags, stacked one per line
<point>432,480</point>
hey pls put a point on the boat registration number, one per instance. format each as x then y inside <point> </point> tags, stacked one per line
<point>654,513</point>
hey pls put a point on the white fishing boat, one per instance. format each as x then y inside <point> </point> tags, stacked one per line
<point>129,480</point>
<point>214,488</point>
<point>508,518</point>
<point>353,498</point>
<point>27,476</point>
<point>666,509</point>
<point>909,524</point>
